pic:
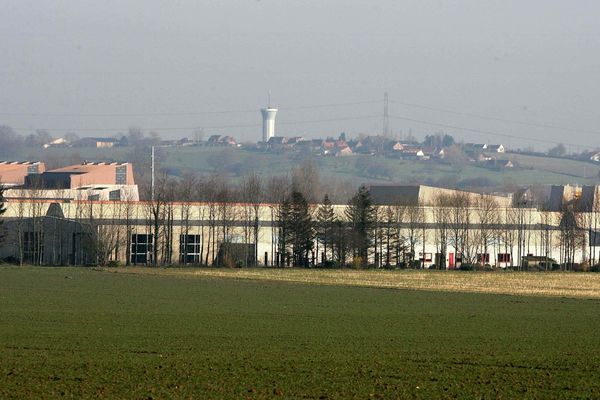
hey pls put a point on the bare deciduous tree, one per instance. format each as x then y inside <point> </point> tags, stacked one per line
<point>441,216</point>
<point>414,217</point>
<point>459,211</point>
<point>251,193</point>
<point>488,217</point>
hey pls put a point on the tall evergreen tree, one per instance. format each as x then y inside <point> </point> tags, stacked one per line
<point>325,225</point>
<point>360,213</point>
<point>296,231</point>
<point>301,229</point>
<point>339,242</point>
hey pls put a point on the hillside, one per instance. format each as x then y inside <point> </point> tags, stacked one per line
<point>235,162</point>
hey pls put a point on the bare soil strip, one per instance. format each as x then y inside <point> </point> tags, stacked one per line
<point>556,284</point>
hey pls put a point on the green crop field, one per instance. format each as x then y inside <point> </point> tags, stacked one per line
<point>82,333</point>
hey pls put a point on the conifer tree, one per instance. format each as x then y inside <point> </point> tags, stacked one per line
<point>296,232</point>
<point>361,216</point>
<point>325,224</point>
<point>301,229</point>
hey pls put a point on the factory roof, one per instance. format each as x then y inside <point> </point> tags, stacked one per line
<point>14,172</point>
<point>88,173</point>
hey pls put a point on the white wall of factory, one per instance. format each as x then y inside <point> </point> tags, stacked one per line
<point>539,236</point>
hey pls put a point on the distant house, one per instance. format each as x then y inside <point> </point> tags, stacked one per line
<point>295,140</point>
<point>373,145</point>
<point>482,158</point>
<point>413,153</point>
<point>342,151</point>
<point>433,152</point>
<point>229,141</point>
<point>100,143</point>
<point>277,143</point>
<point>60,142</point>
<point>221,140</point>
<point>341,143</point>
<point>307,146</point>
<point>595,157</point>
<point>329,144</point>
<point>214,138</point>
<point>397,146</point>
<point>495,148</point>
<point>473,148</point>
<point>277,140</point>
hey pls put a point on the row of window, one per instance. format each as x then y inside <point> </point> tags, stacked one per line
<point>481,257</point>
<point>485,258</point>
<point>121,178</point>
<point>33,247</point>
<point>142,248</point>
<point>113,195</point>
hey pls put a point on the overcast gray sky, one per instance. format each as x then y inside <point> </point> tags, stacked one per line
<point>97,67</point>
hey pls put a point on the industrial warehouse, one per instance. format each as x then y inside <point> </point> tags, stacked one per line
<point>91,214</point>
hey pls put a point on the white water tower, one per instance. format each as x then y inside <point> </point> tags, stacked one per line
<point>268,115</point>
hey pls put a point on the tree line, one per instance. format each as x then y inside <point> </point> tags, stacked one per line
<point>307,230</point>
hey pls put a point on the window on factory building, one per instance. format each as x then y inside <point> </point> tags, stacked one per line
<point>33,169</point>
<point>231,238</point>
<point>483,258</point>
<point>504,257</point>
<point>33,247</point>
<point>82,248</point>
<point>189,249</point>
<point>427,258</point>
<point>114,195</point>
<point>142,246</point>
<point>121,178</point>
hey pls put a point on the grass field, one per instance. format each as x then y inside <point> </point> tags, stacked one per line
<point>82,333</point>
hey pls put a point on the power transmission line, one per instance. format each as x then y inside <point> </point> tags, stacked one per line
<point>385,127</point>
<point>385,130</point>
<point>354,103</point>
<point>486,132</point>
<point>492,118</point>
<point>162,114</point>
<point>210,126</point>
